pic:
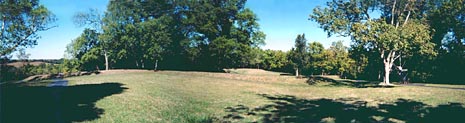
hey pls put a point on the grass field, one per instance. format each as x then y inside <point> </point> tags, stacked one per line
<point>245,95</point>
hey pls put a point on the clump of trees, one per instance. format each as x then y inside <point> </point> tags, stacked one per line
<point>314,59</point>
<point>205,35</point>
<point>411,33</point>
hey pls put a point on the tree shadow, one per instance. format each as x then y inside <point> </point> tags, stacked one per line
<point>313,80</point>
<point>291,109</point>
<point>54,104</point>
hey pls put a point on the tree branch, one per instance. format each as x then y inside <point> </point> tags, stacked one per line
<point>406,19</point>
<point>392,12</point>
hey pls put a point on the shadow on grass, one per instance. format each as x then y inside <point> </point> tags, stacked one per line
<point>41,104</point>
<point>291,109</point>
<point>313,80</point>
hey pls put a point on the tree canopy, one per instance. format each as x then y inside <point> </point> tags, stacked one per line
<point>389,35</point>
<point>208,35</point>
<point>20,20</point>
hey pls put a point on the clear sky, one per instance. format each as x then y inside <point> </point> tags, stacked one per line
<point>281,20</point>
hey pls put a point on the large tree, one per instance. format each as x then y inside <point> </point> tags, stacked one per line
<point>93,20</point>
<point>274,59</point>
<point>87,50</point>
<point>20,20</point>
<point>205,34</point>
<point>447,20</point>
<point>298,55</point>
<point>390,35</point>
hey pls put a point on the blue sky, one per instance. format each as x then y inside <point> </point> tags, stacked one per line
<point>280,20</point>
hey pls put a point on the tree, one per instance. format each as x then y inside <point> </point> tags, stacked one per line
<point>274,59</point>
<point>22,55</point>
<point>390,35</point>
<point>341,58</point>
<point>20,22</point>
<point>205,34</point>
<point>93,19</point>
<point>448,26</point>
<point>87,49</point>
<point>155,43</point>
<point>316,52</point>
<point>298,55</point>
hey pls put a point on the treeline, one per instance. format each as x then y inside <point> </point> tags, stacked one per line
<point>186,35</point>
<point>310,58</point>
<point>423,37</point>
<point>26,70</point>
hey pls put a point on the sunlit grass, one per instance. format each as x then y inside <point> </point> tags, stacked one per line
<point>174,96</point>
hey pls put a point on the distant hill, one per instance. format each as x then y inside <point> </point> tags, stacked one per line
<point>34,62</point>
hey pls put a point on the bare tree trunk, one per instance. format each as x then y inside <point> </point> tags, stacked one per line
<point>387,70</point>
<point>106,60</point>
<point>392,12</point>
<point>137,64</point>
<point>406,19</point>
<point>156,65</point>
<point>379,74</point>
<point>388,62</point>
<point>297,72</point>
<point>142,63</point>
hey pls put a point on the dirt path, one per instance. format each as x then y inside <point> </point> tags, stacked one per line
<point>57,94</point>
<point>58,83</point>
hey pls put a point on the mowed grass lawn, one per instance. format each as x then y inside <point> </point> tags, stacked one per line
<point>245,96</point>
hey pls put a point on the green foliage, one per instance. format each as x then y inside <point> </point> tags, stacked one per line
<point>182,35</point>
<point>298,54</point>
<point>275,60</point>
<point>87,49</point>
<point>447,24</point>
<point>390,36</point>
<point>70,66</point>
<point>20,21</point>
<point>332,61</point>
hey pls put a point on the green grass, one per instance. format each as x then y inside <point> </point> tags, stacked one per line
<point>174,96</point>
<point>446,85</point>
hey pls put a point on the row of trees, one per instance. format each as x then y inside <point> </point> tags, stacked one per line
<point>309,59</point>
<point>206,35</point>
<point>425,36</point>
<point>211,35</point>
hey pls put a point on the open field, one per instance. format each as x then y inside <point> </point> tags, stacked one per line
<point>244,96</point>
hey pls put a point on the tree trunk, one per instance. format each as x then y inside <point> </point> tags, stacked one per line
<point>137,64</point>
<point>297,72</point>
<point>142,63</point>
<point>388,62</point>
<point>387,71</point>
<point>156,65</point>
<point>106,60</point>
<point>379,75</point>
